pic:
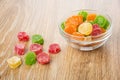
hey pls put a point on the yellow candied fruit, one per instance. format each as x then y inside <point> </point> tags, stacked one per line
<point>85,28</point>
<point>14,62</point>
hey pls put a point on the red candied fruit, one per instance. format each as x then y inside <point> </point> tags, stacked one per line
<point>54,48</point>
<point>96,30</point>
<point>23,36</point>
<point>20,49</point>
<point>43,58</point>
<point>37,48</point>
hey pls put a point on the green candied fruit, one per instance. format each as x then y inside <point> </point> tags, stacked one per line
<point>107,24</point>
<point>84,14</point>
<point>30,58</point>
<point>63,25</point>
<point>37,39</point>
<point>100,20</point>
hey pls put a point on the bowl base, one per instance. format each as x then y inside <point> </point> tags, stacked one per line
<point>89,48</point>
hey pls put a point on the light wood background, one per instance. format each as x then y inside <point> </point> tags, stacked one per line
<point>42,17</point>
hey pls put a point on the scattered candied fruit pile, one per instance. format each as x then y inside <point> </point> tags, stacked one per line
<point>35,53</point>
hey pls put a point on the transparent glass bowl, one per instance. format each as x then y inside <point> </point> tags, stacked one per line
<point>89,42</point>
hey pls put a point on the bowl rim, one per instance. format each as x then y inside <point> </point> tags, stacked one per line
<point>107,33</point>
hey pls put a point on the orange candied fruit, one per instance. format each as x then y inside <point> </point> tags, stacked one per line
<point>74,20</point>
<point>70,29</point>
<point>91,17</point>
<point>78,35</point>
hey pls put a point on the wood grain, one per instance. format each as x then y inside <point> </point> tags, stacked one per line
<point>42,17</point>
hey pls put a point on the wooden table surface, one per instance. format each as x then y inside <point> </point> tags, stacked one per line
<point>42,17</point>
